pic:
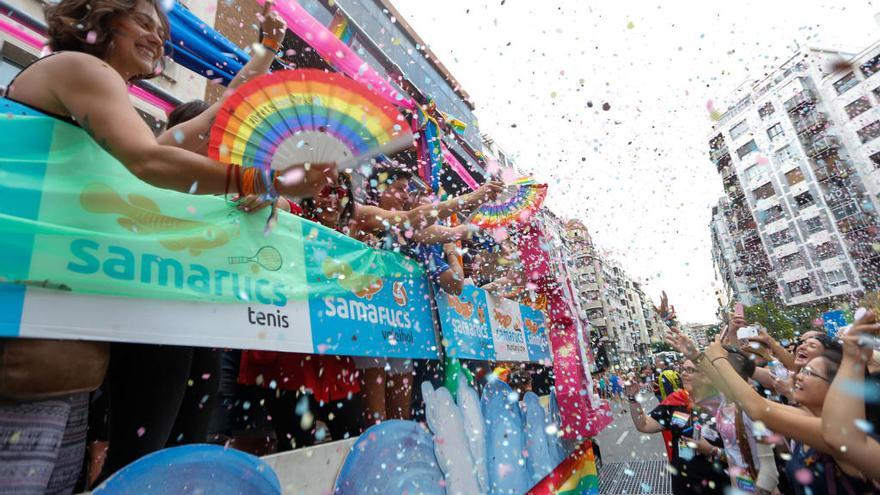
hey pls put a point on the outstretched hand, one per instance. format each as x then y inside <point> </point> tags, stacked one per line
<point>716,349</point>
<point>489,191</point>
<point>682,343</point>
<point>272,24</point>
<point>860,339</point>
<point>665,311</point>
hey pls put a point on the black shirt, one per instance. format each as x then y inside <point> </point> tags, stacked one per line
<point>693,473</point>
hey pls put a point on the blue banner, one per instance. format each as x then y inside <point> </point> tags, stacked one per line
<point>477,325</point>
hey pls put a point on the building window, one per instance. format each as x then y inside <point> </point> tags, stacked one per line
<point>794,176</point>
<point>871,67</point>
<point>747,148</point>
<point>766,110</point>
<point>826,250</point>
<point>783,154</point>
<point>800,287</point>
<point>753,172</point>
<point>845,83</point>
<point>869,132</point>
<point>836,278</point>
<point>738,130</point>
<point>875,159</point>
<point>780,238</point>
<point>764,191</point>
<point>791,261</point>
<point>775,130</point>
<point>858,107</point>
<point>804,200</point>
<point>844,210</point>
<point>773,213</point>
<point>814,225</point>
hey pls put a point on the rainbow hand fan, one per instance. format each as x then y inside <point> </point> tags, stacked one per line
<point>305,116</point>
<point>516,203</point>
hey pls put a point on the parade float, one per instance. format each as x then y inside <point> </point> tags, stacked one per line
<point>93,253</point>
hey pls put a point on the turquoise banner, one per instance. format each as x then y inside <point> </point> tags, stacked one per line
<point>76,223</point>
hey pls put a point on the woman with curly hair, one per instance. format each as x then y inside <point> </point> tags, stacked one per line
<point>99,48</point>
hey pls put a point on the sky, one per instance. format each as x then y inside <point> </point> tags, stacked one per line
<point>606,101</point>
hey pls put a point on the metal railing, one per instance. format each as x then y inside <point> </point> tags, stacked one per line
<point>804,97</point>
<point>821,145</point>
<point>812,121</point>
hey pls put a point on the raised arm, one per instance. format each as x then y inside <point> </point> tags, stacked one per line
<point>452,280</point>
<point>440,234</point>
<point>844,408</point>
<point>97,97</point>
<point>785,420</point>
<point>374,219</point>
<point>194,133</point>
<point>642,422</point>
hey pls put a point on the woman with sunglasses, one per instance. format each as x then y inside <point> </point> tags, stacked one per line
<point>814,467</point>
<point>697,466</point>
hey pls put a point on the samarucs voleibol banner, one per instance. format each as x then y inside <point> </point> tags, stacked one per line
<point>91,252</point>
<point>478,325</point>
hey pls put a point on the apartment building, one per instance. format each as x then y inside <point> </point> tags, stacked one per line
<point>621,315</point>
<point>729,267</point>
<point>798,214</point>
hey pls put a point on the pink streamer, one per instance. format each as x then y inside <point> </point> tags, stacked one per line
<point>19,33</point>
<point>456,165</point>
<point>37,42</point>
<point>335,52</point>
<point>150,98</point>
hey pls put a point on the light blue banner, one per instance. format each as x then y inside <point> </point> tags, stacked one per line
<point>473,321</point>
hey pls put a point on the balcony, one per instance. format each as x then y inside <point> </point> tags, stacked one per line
<point>820,146</point>
<point>716,154</point>
<point>805,97</point>
<point>812,123</point>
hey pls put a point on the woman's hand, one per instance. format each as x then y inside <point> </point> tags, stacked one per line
<point>272,25</point>
<point>784,387</point>
<point>716,349</point>
<point>632,387</point>
<point>252,203</point>
<point>305,180</point>
<point>859,340</point>
<point>764,338</point>
<point>682,343</point>
<point>488,191</point>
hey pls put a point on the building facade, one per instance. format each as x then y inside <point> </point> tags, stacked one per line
<point>800,211</point>
<point>620,314</point>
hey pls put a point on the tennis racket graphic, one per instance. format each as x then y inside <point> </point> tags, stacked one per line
<point>267,257</point>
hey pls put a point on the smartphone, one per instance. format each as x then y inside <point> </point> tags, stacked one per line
<point>739,310</point>
<point>746,333</point>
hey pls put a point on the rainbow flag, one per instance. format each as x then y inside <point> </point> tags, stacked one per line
<point>340,26</point>
<point>576,475</point>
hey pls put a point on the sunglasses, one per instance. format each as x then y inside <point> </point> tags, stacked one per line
<point>807,371</point>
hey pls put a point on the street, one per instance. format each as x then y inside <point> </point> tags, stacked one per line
<point>632,462</point>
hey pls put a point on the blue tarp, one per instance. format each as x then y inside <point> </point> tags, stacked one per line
<point>198,47</point>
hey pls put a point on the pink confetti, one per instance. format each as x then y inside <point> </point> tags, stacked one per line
<point>91,37</point>
<point>141,431</point>
<point>803,476</point>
